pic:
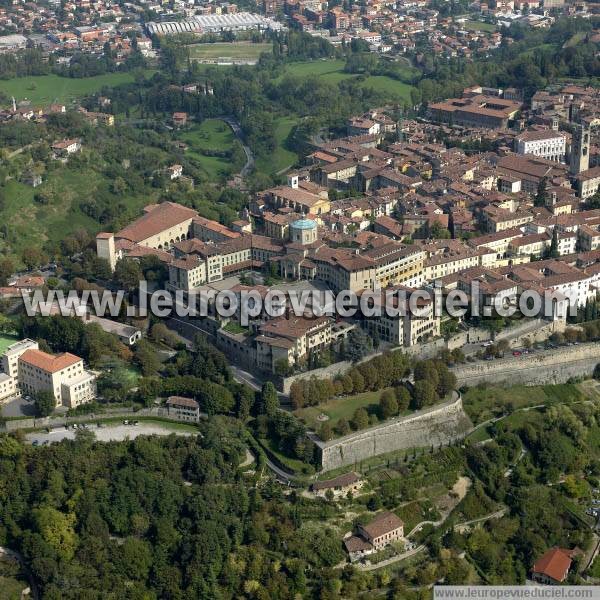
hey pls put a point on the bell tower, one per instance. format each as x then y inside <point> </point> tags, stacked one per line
<point>580,149</point>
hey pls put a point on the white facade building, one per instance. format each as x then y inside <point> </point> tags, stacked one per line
<point>547,144</point>
<point>26,369</point>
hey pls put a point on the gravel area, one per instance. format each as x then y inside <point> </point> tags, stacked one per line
<point>108,433</point>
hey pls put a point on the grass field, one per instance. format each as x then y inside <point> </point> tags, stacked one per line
<point>31,224</point>
<point>46,89</point>
<point>575,39</point>
<point>478,26</point>
<point>282,158</point>
<point>211,135</point>
<point>332,71</point>
<point>6,341</point>
<point>339,408</point>
<point>236,50</point>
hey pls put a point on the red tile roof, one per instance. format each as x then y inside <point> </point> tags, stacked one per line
<point>47,362</point>
<point>554,564</point>
<point>156,219</point>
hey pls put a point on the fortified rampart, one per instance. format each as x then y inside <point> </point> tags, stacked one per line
<point>429,427</point>
<point>550,366</point>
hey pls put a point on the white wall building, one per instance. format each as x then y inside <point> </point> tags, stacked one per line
<point>26,369</point>
<point>547,144</point>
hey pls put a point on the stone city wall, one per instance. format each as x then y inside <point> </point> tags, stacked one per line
<point>434,426</point>
<point>550,366</point>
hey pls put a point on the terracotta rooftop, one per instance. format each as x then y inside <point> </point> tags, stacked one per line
<point>156,218</point>
<point>48,362</point>
<point>181,401</point>
<point>555,564</point>
<point>382,524</point>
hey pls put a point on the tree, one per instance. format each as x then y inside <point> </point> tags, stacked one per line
<point>325,431</point>
<point>388,405</point>
<point>244,402</point>
<point>33,257</point>
<point>216,399</point>
<point>342,427</point>
<point>269,402</point>
<point>553,250</point>
<point>56,528</point>
<point>128,274</point>
<point>7,268</point>
<point>297,394</point>
<point>541,196</point>
<point>360,419</point>
<point>44,403</point>
<point>402,397</point>
<point>145,356</point>
<point>358,345</point>
<point>358,381</point>
<point>446,381</point>
<point>424,394</point>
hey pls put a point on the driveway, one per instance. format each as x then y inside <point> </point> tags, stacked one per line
<point>19,407</point>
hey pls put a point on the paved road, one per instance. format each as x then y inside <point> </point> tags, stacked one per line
<point>391,561</point>
<point>108,433</point>
<point>237,131</point>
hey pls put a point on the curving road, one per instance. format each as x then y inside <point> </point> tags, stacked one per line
<point>237,131</point>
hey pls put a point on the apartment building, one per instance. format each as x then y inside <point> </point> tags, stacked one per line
<point>26,369</point>
<point>291,340</point>
<point>397,264</point>
<point>495,219</point>
<point>407,328</point>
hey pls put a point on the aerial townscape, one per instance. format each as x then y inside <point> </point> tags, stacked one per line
<point>299,299</point>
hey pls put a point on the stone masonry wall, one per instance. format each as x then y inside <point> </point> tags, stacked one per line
<point>430,427</point>
<point>551,366</point>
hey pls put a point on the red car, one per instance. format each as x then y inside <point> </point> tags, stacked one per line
<point>517,353</point>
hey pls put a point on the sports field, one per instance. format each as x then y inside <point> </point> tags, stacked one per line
<point>46,89</point>
<point>233,50</point>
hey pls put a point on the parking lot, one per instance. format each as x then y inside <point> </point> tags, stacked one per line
<point>107,433</point>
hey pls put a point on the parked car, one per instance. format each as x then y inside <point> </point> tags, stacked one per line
<point>517,353</point>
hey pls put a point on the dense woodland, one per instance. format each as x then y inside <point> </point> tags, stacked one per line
<point>175,518</point>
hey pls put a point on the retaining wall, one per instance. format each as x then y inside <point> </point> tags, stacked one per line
<point>434,426</point>
<point>550,366</point>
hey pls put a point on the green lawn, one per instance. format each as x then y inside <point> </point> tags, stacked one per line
<point>478,26</point>
<point>209,136</point>
<point>381,83</point>
<point>239,50</point>
<point>46,89</point>
<point>6,341</point>
<point>282,158</point>
<point>321,68</point>
<point>339,408</point>
<point>332,71</point>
